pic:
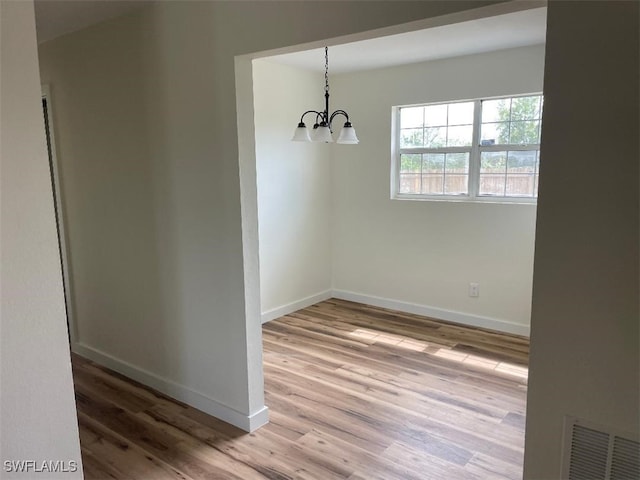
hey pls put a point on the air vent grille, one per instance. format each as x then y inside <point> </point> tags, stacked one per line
<point>625,461</point>
<point>598,453</point>
<point>589,452</point>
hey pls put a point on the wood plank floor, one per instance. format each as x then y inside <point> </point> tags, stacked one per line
<point>355,392</point>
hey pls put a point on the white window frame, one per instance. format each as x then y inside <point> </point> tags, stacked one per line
<point>475,150</point>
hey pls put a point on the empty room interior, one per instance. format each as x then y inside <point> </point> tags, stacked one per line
<point>197,284</point>
<point>337,238</point>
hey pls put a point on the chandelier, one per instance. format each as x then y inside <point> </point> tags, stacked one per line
<point>322,127</point>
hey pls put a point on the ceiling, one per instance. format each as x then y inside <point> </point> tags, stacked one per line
<point>527,27</point>
<point>58,17</point>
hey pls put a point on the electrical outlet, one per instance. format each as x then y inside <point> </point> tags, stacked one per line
<point>474,290</point>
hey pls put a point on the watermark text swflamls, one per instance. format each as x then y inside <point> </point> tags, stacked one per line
<point>43,466</point>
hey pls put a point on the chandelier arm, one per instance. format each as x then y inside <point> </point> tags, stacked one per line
<point>338,112</point>
<point>320,114</point>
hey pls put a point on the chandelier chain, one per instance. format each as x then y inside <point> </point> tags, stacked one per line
<point>326,69</point>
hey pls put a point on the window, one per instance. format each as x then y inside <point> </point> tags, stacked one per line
<point>473,150</point>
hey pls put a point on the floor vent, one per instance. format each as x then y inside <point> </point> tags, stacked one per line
<point>598,453</point>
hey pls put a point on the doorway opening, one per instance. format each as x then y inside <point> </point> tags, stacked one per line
<point>347,185</point>
<point>360,258</point>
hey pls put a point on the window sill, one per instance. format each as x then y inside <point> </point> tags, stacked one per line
<point>465,199</point>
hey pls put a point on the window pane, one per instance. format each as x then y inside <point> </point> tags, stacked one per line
<point>521,173</point>
<point>409,183</point>
<point>411,117</point>
<point>436,115</point>
<point>521,162</point>
<point>535,188</point>
<point>525,132</point>
<point>525,108</point>
<point>456,180</point>
<point>461,113</point>
<point>493,166</point>
<point>457,163</point>
<point>432,184</point>
<point>433,163</point>
<point>520,185</point>
<point>411,137</point>
<point>494,133</point>
<point>433,173</point>
<point>491,184</point>
<point>459,136</point>
<point>496,110</point>
<point>410,163</point>
<point>493,162</point>
<point>456,184</point>
<point>435,137</point>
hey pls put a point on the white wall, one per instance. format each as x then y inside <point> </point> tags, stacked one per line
<point>37,418</point>
<point>152,260</point>
<point>294,191</point>
<point>426,253</point>
<point>162,216</point>
<point>585,355</point>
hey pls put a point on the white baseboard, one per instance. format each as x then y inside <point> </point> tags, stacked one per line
<point>437,313</point>
<point>292,307</point>
<point>198,400</point>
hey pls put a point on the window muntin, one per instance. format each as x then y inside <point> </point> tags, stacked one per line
<point>437,126</point>
<point>511,121</point>
<point>510,173</point>
<point>434,173</point>
<point>482,149</point>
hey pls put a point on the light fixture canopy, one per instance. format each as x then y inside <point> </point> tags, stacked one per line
<point>321,131</point>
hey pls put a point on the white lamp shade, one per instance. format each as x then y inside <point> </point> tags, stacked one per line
<point>348,135</point>
<point>322,134</point>
<point>301,134</point>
